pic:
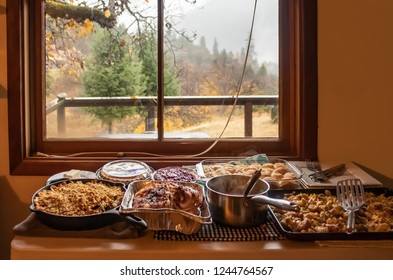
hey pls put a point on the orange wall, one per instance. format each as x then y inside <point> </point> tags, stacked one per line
<point>355,98</point>
<point>355,82</point>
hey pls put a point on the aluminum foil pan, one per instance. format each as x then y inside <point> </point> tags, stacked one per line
<point>166,218</point>
<point>279,173</point>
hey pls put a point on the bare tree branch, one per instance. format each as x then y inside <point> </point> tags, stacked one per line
<point>79,13</point>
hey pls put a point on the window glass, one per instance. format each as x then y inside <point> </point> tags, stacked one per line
<point>98,55</point>
<point>103,69</point>
<point>206,47</point>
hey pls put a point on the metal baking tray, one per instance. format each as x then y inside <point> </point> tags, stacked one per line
<point>166,218</point>
<point>300,236</point>
<point>259,159</point>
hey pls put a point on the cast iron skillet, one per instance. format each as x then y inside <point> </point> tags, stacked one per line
<point>85,222</point>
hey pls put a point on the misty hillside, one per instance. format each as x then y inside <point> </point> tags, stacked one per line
<point>229,22</point>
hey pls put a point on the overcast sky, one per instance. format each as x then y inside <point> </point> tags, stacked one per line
<point>229,21</point>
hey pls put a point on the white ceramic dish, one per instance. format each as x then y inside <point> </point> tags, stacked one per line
<point>83,174</point>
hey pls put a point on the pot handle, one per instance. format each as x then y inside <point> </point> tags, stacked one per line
<point>279,203</point>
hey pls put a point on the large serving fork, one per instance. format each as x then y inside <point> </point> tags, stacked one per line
<point>350,195</point>
<point>318,175</point>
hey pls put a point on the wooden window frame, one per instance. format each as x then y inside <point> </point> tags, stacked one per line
<point>30,154</point>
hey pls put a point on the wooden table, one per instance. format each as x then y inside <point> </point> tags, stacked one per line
<point>147,247</point>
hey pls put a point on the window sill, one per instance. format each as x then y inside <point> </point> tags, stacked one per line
<point>47,166</point>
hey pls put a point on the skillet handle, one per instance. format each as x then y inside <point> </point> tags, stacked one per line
<point>279,203</point>
<point>137,222</point>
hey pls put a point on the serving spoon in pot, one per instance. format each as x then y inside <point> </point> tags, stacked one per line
<point>264,199</point>
<point>251,183</point>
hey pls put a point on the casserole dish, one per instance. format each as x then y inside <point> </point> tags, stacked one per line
<point>175,173</point>
<point>385,194</point>
<point>279,173</point>
<point>77,221</point>
<point>166,218</point>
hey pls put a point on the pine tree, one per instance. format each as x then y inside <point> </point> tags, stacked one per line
<point>114,70</point>
<point>148,56</point>
<point>147,52</point>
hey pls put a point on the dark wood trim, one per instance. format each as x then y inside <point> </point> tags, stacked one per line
<point>299,142</point>
<point>288,90</point>
<point>36,126</point>
<point>16,87</point>
<point>309,78</point>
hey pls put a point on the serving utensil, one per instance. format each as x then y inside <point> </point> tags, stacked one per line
<point>261,200</point>
<point>350,195</point>
<point>250,183</point>
<point>316,168</point>
<point>323,175</point>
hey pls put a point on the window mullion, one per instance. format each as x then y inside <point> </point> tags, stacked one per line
<point>160,69</point>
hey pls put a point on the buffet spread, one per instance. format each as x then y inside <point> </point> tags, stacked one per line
<point>176,203</point>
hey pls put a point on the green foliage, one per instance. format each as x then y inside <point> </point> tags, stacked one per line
<point>113,71</point>
<point>123,65</point>
<point>148,56</point>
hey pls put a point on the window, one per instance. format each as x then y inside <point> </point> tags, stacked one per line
<point>39,127</point>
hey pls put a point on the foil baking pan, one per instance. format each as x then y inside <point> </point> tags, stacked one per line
<point>166,218</point>
<point>209,168</point>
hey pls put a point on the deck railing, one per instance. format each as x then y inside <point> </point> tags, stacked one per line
<point>62,102</point>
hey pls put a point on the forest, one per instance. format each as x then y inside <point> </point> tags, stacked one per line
<point>90,56</point>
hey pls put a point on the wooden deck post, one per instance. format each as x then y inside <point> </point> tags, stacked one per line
<point>61,124</point>
<point>247,119</point>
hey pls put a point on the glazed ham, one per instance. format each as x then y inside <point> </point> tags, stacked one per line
<point>169,195</point>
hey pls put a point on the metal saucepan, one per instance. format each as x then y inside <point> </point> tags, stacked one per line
<point>229,207</point>
<point>85,222</point>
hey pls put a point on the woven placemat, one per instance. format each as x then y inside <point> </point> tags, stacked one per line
<point>216,232</point>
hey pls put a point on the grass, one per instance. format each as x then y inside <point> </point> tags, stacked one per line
<point>82,125</point>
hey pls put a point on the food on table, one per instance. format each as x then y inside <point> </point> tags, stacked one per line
<point>175,173</point>
<point>320,213</point>
<point>169,195</point>
<point>78,198</point>
<point>125,171</point>
<point>72,174</point>
<point>276,172</point>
